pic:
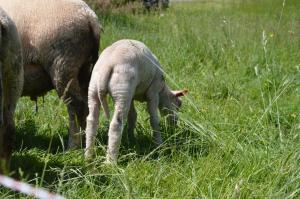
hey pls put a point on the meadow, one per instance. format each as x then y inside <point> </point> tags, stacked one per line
<point>239,130</point>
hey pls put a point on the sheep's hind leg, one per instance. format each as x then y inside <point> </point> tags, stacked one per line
<point>74,95</point>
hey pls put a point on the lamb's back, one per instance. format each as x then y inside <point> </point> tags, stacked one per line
<point>128,58</point>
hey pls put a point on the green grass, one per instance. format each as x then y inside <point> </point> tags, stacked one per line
<point>239,132</point>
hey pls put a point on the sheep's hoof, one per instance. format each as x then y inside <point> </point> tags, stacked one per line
<point>74,144</point>
<point>73,147</point>
<point>158,142</point>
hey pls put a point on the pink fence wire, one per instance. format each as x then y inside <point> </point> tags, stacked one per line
<point>27,189</point>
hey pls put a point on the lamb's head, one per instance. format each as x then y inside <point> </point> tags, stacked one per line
<point>169,104</point>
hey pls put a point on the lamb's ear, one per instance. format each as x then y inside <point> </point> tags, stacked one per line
<point>180,93</point>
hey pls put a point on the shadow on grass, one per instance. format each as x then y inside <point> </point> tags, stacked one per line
<point>32,147</point>
<point>29,165</point>
<point>142,145</point>
<point>186,141</point>
<point>27,137</point>
<point>176,140</point>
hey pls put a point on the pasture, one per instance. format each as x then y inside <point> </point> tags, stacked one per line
<point>239,130</point>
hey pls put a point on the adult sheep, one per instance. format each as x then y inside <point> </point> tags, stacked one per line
<point>60,41</point>
<point>11,84</point>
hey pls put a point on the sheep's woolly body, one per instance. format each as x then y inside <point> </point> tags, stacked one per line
<point>42,21</point>
<point>60,41</point>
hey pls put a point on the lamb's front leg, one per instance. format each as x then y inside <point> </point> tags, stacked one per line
<point>115,130</point>
<point>152,106</point>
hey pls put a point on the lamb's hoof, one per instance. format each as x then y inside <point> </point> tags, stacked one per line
<point>110,161</point>
<point>88,156</point>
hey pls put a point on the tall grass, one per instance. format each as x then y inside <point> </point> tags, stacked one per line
<point>239,129</point>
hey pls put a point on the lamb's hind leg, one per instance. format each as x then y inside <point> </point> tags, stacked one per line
<point>92,121</point>
<point>116,128</point>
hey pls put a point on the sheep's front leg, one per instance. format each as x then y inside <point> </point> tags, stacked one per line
<point>115,130</point>
<point>152,106</point>
<point>92,121</point>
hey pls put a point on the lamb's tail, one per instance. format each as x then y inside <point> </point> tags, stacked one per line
<point>103,88</point>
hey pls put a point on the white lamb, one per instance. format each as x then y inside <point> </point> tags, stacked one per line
<point>128,71</point>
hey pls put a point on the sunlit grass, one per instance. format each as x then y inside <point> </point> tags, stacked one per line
<point>239,132</point>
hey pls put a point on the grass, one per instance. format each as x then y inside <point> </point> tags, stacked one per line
<point>239,132</point>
